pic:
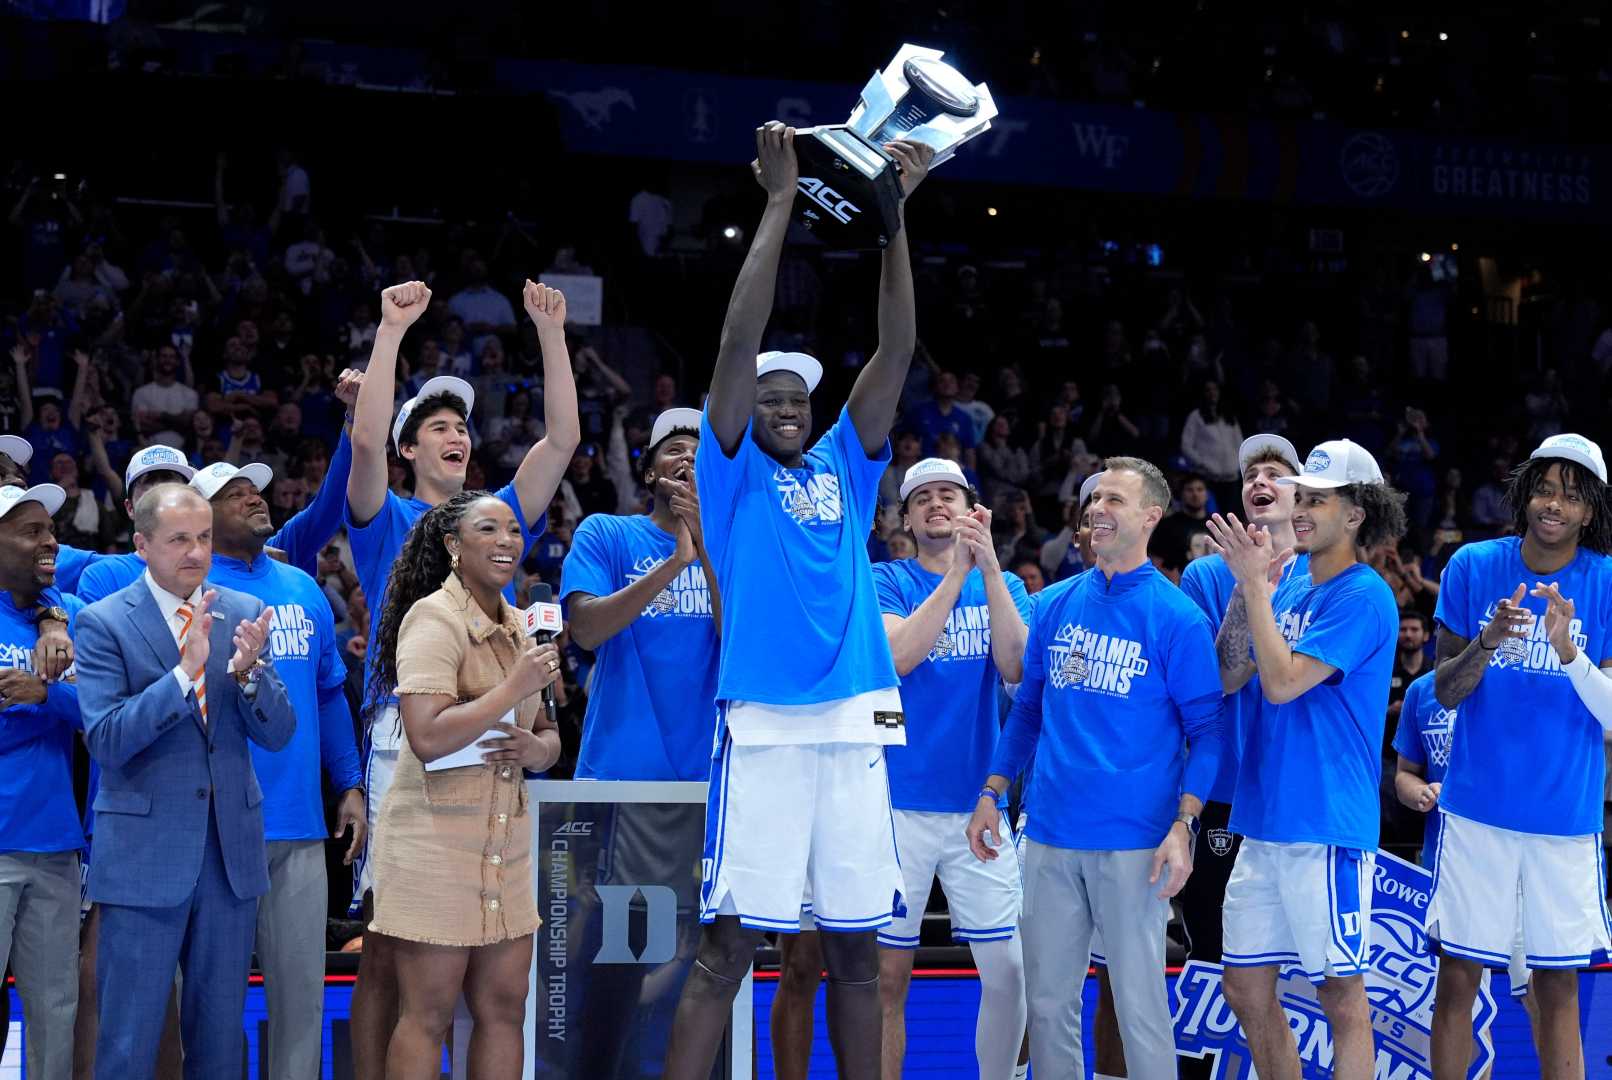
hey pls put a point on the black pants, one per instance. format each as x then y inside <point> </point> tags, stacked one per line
<point>1203,897</point>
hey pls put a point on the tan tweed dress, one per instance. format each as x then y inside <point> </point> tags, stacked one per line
<point>453,848</point>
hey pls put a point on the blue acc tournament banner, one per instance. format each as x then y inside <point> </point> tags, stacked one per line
<point>1399,986</point>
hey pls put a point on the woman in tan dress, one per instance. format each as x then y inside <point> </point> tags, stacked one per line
<point>453,846</point>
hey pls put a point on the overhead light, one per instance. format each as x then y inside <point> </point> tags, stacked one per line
<point>731,232</point>
<point>1427,256</point>
<point>61,176</point>
<point>1403,34</point>
<point>1442,36</point>
<point>1455,247</point>
<point>990,211</point>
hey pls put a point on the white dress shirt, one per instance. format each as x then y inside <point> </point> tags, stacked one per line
<point>168,604</point>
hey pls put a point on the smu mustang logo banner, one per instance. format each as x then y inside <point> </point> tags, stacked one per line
<point>1399,986</point>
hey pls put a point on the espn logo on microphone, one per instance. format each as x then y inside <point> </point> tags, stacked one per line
<point>542,617</point>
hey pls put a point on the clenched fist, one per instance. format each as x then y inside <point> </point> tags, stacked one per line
<point>402,304</point>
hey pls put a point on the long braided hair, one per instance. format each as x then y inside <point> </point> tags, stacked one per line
<point>419,570</point>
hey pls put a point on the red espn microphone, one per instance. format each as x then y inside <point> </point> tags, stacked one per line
<point>544,621</point>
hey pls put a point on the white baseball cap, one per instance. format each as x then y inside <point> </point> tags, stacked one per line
<point>670,421</point>
<point>440,384</point>
<point>805,366</point>
<point>211,480</point>
<point>932,470</point>
<point>155,458</point>
<point>49,496</point>
<point>1087,486</point>
<point>1336,464</point>
<point>17,449</point>
<point>1257,444</point>
<point>1568,447</point>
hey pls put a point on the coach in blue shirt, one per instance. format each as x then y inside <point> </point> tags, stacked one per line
<point>40,838</point>
<point>1119,676</point>
<point>302,646</point>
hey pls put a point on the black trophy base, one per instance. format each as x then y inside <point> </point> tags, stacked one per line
<point>850,190</point>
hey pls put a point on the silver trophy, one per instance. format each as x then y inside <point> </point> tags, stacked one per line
<point>850,188</point>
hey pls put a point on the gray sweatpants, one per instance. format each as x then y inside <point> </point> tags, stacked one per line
<point>39,899</point>
<point>1068,895</point>
<point>291,952</point>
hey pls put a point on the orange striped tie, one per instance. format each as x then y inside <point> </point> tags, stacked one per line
<point>186,612</point>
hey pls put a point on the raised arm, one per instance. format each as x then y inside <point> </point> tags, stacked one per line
<point>544,465</point>
<point>401,305</point>
<point>25,394</point>
<point>912,636</point>
<point>877,392</point>
<point>733,383</point>
<point>1234,647</point>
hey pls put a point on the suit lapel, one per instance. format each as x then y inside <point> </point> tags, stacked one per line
<point>147,617</point>
<point>223,647</point>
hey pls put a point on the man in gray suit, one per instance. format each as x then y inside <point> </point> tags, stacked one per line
<point>180,861</point>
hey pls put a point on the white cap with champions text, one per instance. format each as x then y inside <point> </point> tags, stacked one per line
<point>439,384</point>
<point>1336,464</point>
<point>49,496</point>
<point>932,470</point>
<point>1256,444</point>
<point>673,420</point>
<point>1574,448</point>
<point>155,458</point>
<point>807,367</point>
<point>211,480</point>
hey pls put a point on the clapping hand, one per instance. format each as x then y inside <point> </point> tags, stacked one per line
<point>1558,621</point>
<point>1511,620</point>
<point>1248,552</point>
<point>250,637</point>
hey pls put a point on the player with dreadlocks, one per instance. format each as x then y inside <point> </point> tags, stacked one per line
<point>1521,803</point>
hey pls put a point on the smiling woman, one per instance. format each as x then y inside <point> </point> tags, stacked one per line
<point>452,859</point>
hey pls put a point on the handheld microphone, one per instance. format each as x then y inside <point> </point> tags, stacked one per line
<point>543,621</point>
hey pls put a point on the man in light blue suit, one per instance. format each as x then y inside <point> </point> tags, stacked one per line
<point>180,860</point>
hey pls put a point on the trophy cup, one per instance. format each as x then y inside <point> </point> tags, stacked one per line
<point>850,188</point>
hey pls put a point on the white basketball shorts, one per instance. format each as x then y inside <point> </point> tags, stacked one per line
<point>983,898</point>
<point>780,820</point>
<point>1299,903</point>
<point>1489,881</point>
<point>380,764</point>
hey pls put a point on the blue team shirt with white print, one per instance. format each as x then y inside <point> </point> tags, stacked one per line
<point>1208,583</point>
<point>1311,767</point>
<point>800,620</point>
<point>950,698</point>
<point>1119,675</point>
<point>1423,737</point>
<point>652,693</point>
<point>1528,755</point>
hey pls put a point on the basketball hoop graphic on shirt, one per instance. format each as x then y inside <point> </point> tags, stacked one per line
<point>1073,669</point>
<point>1436,737</point>
<point>944,647</point>
<point>1512,651</point>
<point>663,604</point>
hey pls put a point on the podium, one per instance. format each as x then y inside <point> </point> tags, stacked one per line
<point>616,868</point>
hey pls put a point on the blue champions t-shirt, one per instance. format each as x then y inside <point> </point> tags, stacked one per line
<point>71,562</point>
<point>302,646</point>
<point>37,811</point>
<point>1311,768</point>
<point>1528,755</point>
<point>950,698</point>
<point>800,620</point>
<point>652,693</point>
<point>375,545</point>
<point>107,575</point>
<point>1119,675</point>
<point>1423,737</point>
<point>1208,583</point>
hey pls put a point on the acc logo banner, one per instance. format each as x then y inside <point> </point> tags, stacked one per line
<point>1399,987</point>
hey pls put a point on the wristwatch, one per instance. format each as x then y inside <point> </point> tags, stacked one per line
<point>250,675</point>
<point>1189,820</point>
<point>50,614</point>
